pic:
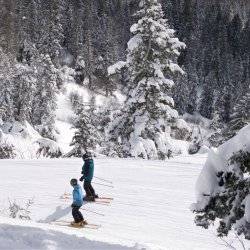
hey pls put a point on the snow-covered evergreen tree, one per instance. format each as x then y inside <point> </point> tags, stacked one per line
<point>143,124</point>
<point>216,137</point>
<point>87,136</point>
<point>240,116</point>
<point>102,81</point>
<point>222,189</point>
<point>185,94</point>
<point>6,87</point>
<point>24,89</point>
<point>228,203</point>
<point>52,35</point>
<point>44,103</point>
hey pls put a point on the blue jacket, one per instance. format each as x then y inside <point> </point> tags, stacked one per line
<point>88,170</point>
<point>77,196</point>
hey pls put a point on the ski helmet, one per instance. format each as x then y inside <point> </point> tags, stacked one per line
<point>73,182</point>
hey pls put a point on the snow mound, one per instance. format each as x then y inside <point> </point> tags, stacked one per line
<point>48,148</point>
<point>29,144</point>
<point>17,129</point>
<point>25,237</point>
<point>181,130</point>
<point>217,161</point>
<point>22,137</point>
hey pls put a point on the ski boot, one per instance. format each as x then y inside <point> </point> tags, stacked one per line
<point>76,224</point>
<point>83,223</point>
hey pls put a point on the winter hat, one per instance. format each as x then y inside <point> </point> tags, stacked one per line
<point>73,182</point>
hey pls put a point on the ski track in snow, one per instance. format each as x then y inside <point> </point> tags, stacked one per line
<point>150,209</point>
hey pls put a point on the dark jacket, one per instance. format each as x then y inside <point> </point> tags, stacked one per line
<point>88,170</point>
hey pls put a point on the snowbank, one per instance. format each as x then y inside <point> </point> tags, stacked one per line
<point>48,148</point>
<point>35,237</point>
<point>22,137</point>
<point>29,144</point>
<point>148,149</point>
<point>217,161</point>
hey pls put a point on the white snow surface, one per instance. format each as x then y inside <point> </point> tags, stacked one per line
<point>150,209</point>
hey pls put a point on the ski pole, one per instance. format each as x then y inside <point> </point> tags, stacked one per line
<point>93,212</point>
<point>103,180</point>
<point>103,184</point>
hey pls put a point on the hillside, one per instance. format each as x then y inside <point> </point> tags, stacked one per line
<point>216,33</point>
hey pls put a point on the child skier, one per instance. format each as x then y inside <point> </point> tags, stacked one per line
<point>88,173</point>
<point>77,203</point>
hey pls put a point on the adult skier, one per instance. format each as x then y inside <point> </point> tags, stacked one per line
<point>87,176</point>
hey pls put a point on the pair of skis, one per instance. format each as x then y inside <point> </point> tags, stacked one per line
<point>99,200</point>
<point>65,223</point>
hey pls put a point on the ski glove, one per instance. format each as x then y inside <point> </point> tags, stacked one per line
<point>81,179</point>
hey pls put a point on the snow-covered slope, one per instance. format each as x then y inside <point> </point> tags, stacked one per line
<point>150,207</point>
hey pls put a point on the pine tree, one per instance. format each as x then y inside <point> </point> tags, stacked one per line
<point>207,98</point>
<point>102,81</point>
<point>44,103</point>
<point>227,205</point>
<point>240,116</point>
<point>216,137</point>
<point>23,93</point>
<point>6,87</point>
<point>185,93</point>
<point>52,35</point>
<point>151,62</point>
<point>87,136</point>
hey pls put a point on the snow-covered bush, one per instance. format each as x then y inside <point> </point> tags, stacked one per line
<point>48,148</point>
<point>180,130</point>
<point>6,151</point>
<point>195,146</point>
<point>19,212</point>
<point>112,149</point>
<point>223,187</point>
